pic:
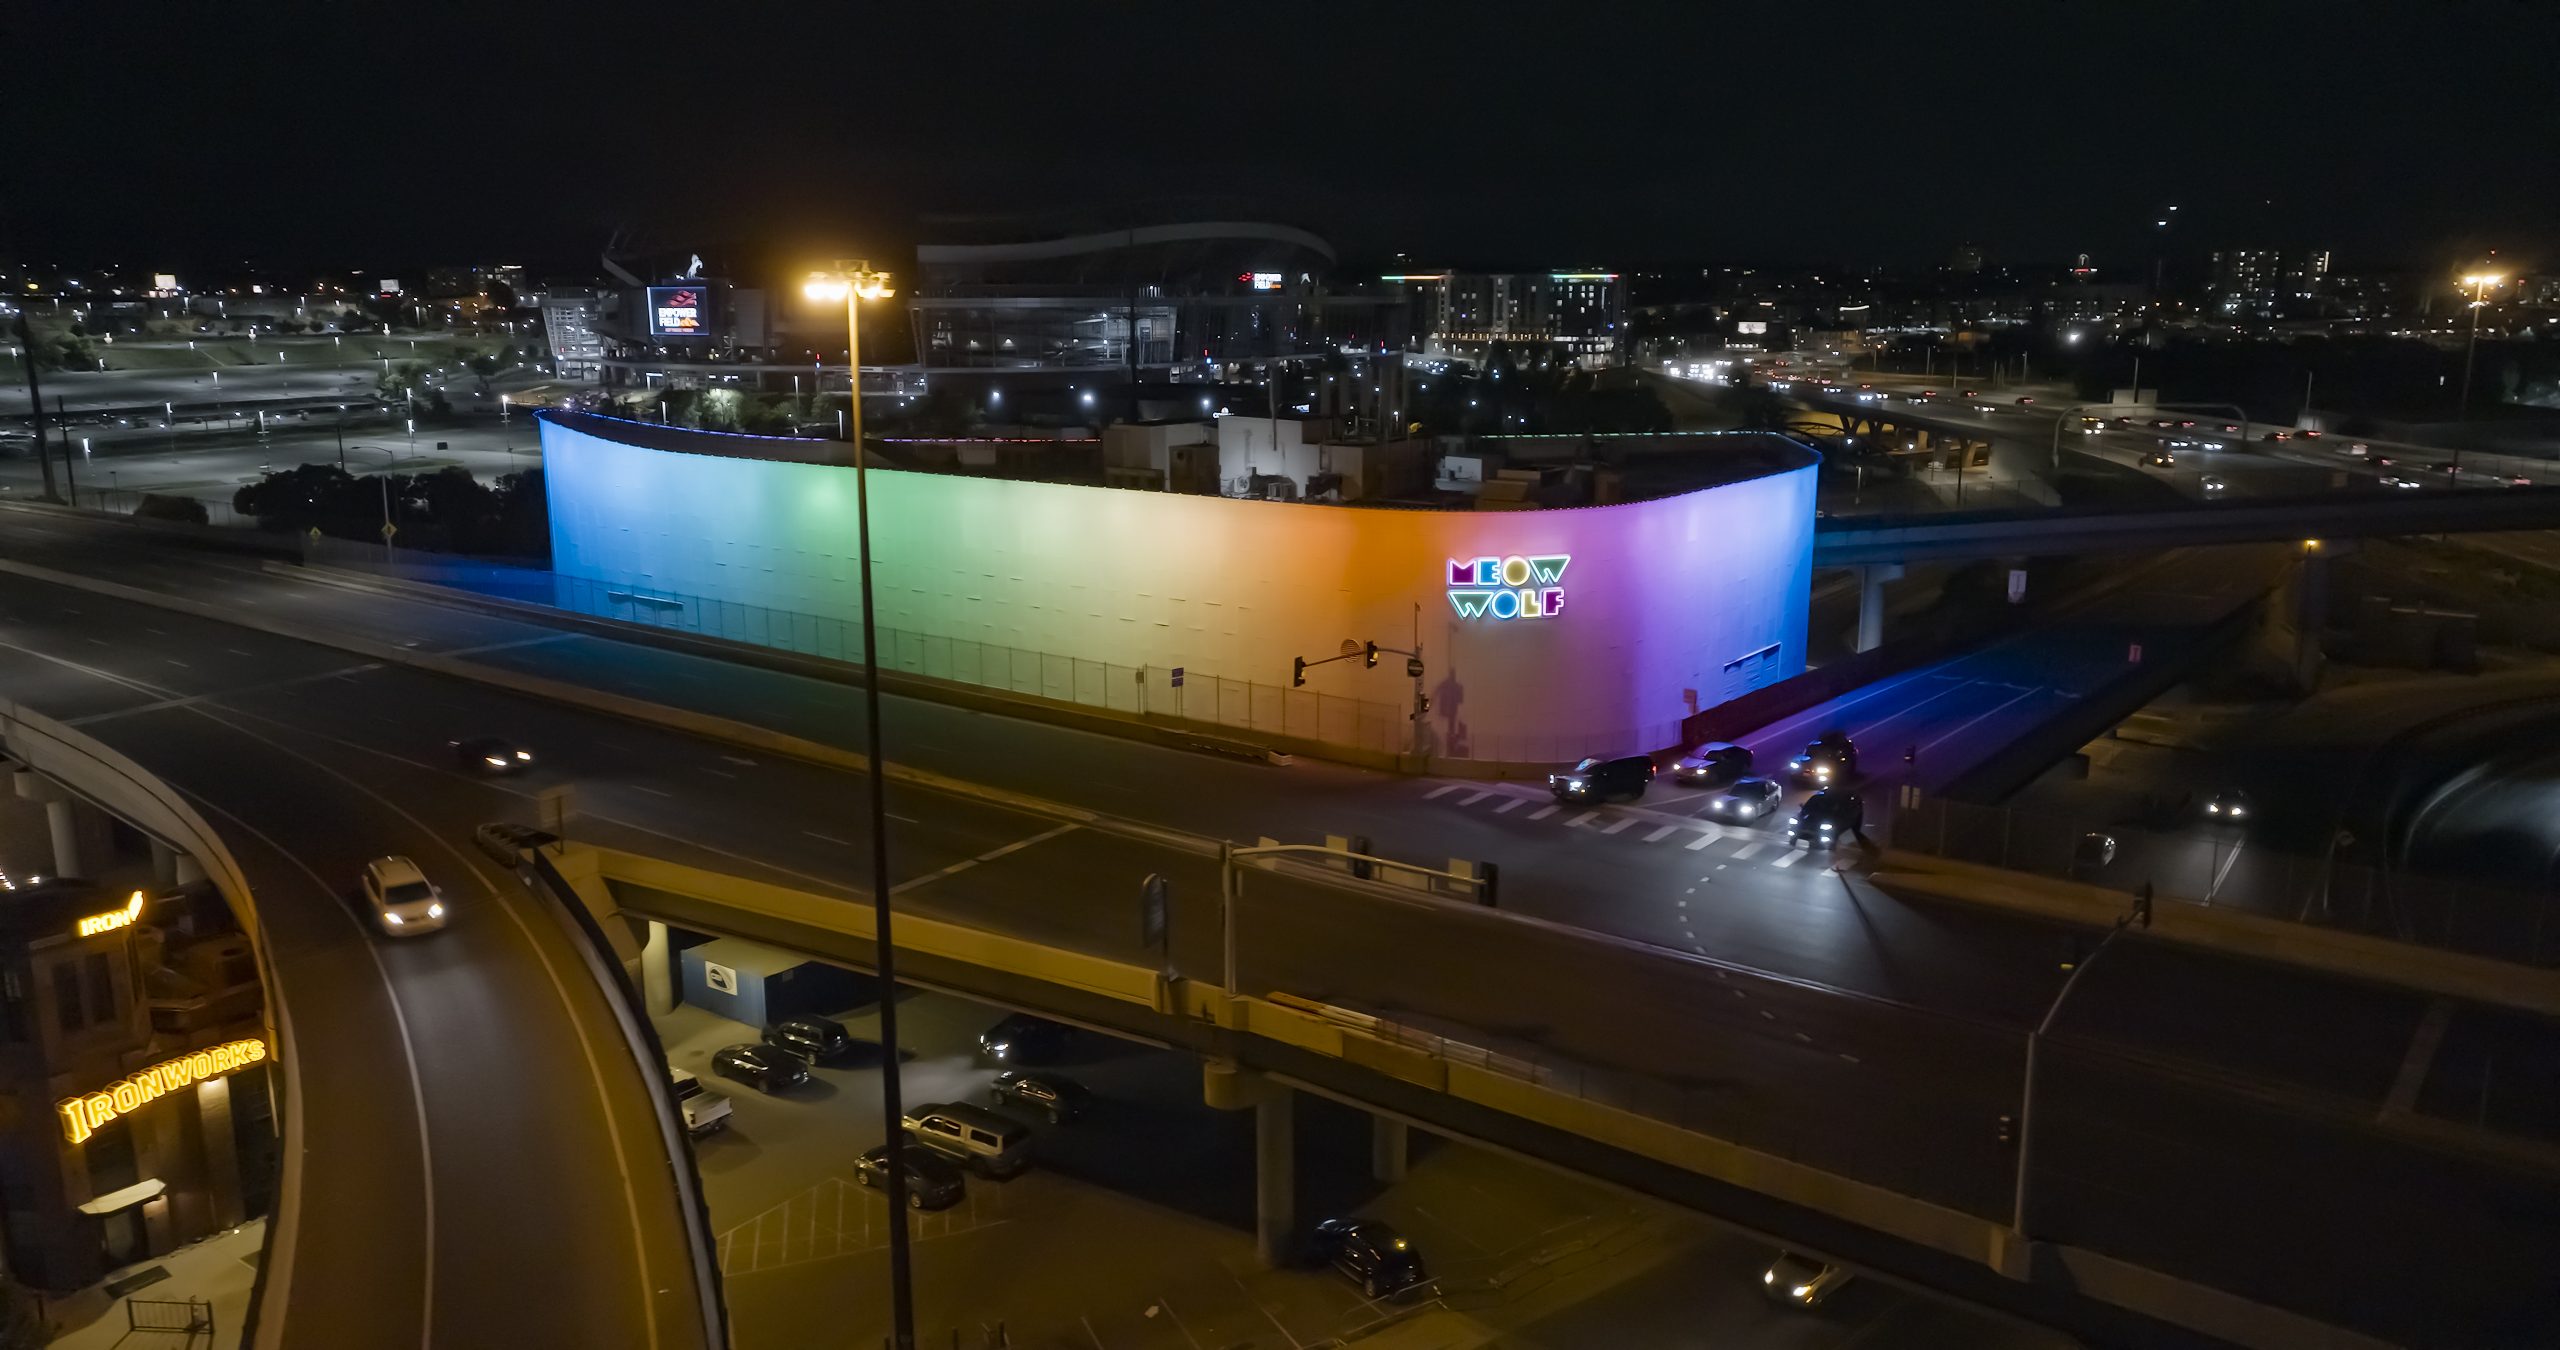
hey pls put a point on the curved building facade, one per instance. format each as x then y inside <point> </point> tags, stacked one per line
<point>1542,634</point>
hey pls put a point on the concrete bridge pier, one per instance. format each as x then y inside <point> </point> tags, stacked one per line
<point>1871,582</point>
<point>1389,1148</point>
<point>1231,1087</point>
<point>61,819</point>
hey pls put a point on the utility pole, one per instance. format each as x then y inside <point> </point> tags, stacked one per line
<point>35,402</point>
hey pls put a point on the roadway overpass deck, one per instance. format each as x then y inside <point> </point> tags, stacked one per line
<point>1921,1060</point>
<point>1851,541</point>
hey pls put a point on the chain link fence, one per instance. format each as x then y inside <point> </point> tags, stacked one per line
<point>2224,866</point>
<point>1157,693</point>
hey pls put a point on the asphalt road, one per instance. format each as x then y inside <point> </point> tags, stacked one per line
<point>470,1117</point>
<point>1796,1010</point>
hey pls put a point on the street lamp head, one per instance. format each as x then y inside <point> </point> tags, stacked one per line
<point>2483,279</point>
<point>823,286</point>
<point>854,279</point>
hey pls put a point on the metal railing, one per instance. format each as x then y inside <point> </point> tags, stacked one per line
<point>1153,692</point>
<point>189,1317</point>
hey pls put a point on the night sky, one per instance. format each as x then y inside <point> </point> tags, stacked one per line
<point>372,134</point>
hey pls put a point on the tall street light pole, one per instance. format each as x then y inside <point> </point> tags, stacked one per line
<point>2479,282</point>
<point>855,282</point>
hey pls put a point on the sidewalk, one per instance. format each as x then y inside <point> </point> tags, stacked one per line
<point>221,1268</point>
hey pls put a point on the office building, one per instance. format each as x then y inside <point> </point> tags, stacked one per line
<point>2255,282</point>
<point>1577,316</point>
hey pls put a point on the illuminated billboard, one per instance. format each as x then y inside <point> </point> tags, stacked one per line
<point>1508,588</point>
<point>678,311</point>
<point>84,1115</point>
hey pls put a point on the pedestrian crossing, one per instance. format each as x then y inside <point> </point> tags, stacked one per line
<point>1765,844</point>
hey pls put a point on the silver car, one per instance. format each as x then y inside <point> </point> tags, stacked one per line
<point>1746,799</point>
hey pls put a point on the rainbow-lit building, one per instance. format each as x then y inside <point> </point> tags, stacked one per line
<point>1541,634</point>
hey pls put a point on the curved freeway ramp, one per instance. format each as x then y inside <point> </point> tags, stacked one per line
<point>475,1152</point>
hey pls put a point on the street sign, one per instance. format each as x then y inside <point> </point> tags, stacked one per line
<point>1177,677</point>
<point>1413,667</point>
<point>2017,584</point>
<point>388,530</point>
<point>2133,654</point>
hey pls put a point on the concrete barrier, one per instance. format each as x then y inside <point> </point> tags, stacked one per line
<point>2229,931</point>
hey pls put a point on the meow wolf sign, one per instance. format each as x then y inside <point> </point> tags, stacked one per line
<point>1508,588</point>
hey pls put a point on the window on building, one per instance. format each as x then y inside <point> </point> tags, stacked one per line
<point>13,1005</point>
<point>67,1008</point>
<point>101,979</point>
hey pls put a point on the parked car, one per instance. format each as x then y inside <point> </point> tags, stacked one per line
<point>933,1181</point>
<point>1710,764</point>
<point>705,1112</point>
<point>1597,778</point>
<point>1827,817</point>
<point>1023,1039</point>
<point>819,1040</point>
<point>403,901</point>
<point>972,1136</point>
<point>1801,1280</point>
<point>490,755</point>
<point>1746,799</point>
<point>1830,758</point>
<point>1379,1259</point>
<point>1055,1095</point>
<point>761,1067</point>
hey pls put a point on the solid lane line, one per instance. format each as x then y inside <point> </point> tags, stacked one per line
<point>2224,870</point>
<point>1960,727</point>
<point>2422,1055</point>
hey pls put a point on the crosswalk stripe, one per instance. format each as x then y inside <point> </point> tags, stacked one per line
<point>1748,849</point>
<point>1713,834</point>
<point>1543,812</point>
<point>1619,824</point>
<point>1441,791</point>
<point>1788,861</point>
<point>1510,804</point>
<point>1659,833</point>
<point>1580,818</point>
<point>1472,798</point>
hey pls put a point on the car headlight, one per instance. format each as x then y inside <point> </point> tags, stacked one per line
<point>1802,1290</point>
<point>394,919</point>
<point>2213,808</point>
<point>525,755</point>
<point>435,910</point>
<point>493,761</point>
<point>998,1049</point>
<point>1826,827</point>
<point>2236,813</point>
<point>1768,1277</point>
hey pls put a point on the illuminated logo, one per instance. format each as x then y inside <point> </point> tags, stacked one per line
<point>113,919</point>
<point>85,1116</point>
<point>675,311</point>
<point>1508,588</point>
<point>1260,281</point>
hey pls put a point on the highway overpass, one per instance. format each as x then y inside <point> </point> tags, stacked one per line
<point>1870,1041</point>
<point>1854,541</point>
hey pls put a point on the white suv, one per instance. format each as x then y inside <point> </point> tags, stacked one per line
<point>403,901</point>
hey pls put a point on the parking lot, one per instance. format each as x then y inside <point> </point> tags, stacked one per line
<point>1133,1228</point>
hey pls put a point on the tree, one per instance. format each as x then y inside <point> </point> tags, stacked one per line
<point>185,510</point>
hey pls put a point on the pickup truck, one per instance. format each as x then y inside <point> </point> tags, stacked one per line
<point>705,1111</point>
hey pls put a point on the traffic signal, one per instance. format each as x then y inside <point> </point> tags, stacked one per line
<point>1298,677</point>
<point>1370,657</point>
<point>2007,1128</point>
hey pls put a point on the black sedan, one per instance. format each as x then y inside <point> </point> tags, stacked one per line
<point>1059,1097</point>
<point>1379,1259</point>
<point>820,1040</point>
<point>1023,1039</point>
<point>933,1182</point>
<point>761,1067</point>
<point>490,755</point>
<point>1712,763</point>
